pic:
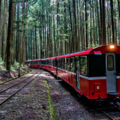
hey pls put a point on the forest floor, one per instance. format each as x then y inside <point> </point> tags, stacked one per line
<point>45,99</point>
<point>5,76</point>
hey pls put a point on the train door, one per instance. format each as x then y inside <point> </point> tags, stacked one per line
<point>77,66</point>
<point>111,73</point>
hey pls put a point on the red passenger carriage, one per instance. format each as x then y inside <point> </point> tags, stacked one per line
<point>93,73</point>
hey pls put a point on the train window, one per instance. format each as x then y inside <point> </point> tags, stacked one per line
<point>77,64</point>
<point>59,63</point>
<point>44,62</point>
<point>83,65</point>
<point>72,64</point>
<point>37,62</point>
<point>68,64</point>
<point>50,62</point>
<point>118,63</point>
<point>55,62</point>
<point>63,63</point>
<point>97,65</point>
<point>110,62</point>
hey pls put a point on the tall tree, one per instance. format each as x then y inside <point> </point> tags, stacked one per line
<point>102,10</point>
<point>112,20</point>
<point>12,37</point>
<point>8,56</point>
<point>86,23</point>
<point>119,19</point>
<point>0,25</point>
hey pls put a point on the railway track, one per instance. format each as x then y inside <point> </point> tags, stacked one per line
<point>12,89</point>
<point>112,115</point>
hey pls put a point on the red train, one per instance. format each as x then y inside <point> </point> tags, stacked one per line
<point>93,73</point>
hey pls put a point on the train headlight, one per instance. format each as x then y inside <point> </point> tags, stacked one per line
<point>112,46</point>
<point>98,87</point>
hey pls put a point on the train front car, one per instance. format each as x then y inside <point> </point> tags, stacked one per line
<point>93,73</point>
<point>104,73</point>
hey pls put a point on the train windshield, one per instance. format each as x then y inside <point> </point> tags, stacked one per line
<point>97,65</point>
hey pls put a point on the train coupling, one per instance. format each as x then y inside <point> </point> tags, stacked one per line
<point>116,101</point>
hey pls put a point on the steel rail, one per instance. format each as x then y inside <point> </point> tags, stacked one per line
<point>108,115</point>
<point>10,80</point>
<point>14,84</point>
<point>10,96</point>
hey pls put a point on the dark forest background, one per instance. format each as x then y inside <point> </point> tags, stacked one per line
<point>34,29</point>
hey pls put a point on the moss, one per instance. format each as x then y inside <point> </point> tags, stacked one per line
<point>50,108</point>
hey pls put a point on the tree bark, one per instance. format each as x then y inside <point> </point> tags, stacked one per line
<point>8,56</point>
<point>12,37</point>
<point>86,23</point>
<point>119,19</point>
<point>102,11</point>
<point>112,20</point>
<point>5,28</point>
<point>0,26</point>
<point>36,43</point>
<point>17,35</point>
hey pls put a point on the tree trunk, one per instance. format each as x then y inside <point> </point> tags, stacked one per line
<point>8,57</point>
<point>102,11</point>
<point>17,35</point>
<point>75,27</point>
<point>112,20</point>
<point>23,32</point>
<point>36,43</point>
<point>71,28</point>
<point>86,23</point>
<point>119,19</point>
<point>0,26</point>
<point>12,37</point>
<point>5,28</point>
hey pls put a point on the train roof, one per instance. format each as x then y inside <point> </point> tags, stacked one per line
<point>96,51</point>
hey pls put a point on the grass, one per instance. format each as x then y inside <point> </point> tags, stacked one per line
<point>51,110</point>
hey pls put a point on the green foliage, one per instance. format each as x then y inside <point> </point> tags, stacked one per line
<point>1,60</point>
<point>14,67</point>
<point>16,63</point>
<point>21,70</point>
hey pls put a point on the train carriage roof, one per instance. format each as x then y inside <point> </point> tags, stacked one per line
<point>97,50</point>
